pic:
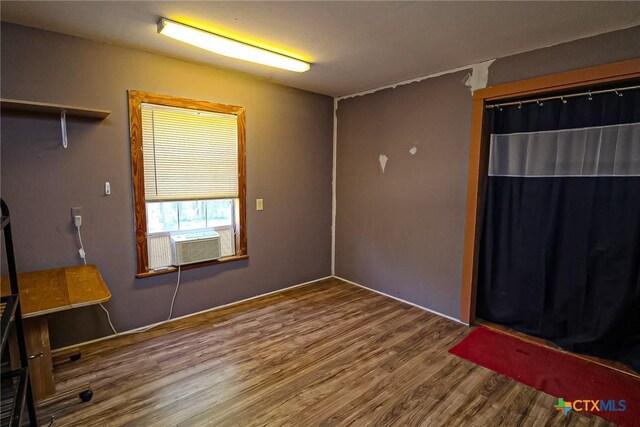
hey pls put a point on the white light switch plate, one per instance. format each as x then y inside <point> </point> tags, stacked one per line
<point>259,205</point>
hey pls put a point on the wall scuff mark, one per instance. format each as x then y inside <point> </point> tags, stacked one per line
<point>479,76</point>
<point>479,70</point>
<point>383,161</point>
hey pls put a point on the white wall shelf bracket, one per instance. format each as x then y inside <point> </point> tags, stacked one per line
<point>63,124</point>
<point>54,110</point>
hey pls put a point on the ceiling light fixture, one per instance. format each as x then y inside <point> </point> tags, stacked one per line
<point>228,47</point>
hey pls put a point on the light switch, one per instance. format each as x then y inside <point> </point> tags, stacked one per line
<point>107,188</point>
<point>259,205</point>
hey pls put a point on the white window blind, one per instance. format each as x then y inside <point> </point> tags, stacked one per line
<point>189,155</point>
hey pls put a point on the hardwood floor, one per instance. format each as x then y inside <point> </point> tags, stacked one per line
<point>325,354</point>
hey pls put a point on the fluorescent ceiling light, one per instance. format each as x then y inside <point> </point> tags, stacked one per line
<point>229,47</point>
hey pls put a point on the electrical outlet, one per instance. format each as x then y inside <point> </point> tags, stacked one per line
<point>75,212</point>
<point>259,204</point>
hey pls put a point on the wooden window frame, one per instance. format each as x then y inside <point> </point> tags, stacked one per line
<point>136,98</point>
<point>585,78</point>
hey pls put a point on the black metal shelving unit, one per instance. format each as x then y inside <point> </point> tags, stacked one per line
<point>16,386</point>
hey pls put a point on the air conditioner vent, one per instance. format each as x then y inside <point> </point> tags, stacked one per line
<point>195,247</point>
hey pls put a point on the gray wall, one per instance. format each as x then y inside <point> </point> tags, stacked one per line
<point>603,49</point>
<point>289,161</point>
<point>402,232</point>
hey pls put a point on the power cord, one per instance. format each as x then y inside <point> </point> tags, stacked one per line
<point>109,319</point>
<point>173,300</point>
<point>78,223</point>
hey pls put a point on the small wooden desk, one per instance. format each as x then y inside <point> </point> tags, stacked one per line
<point>49,291</point>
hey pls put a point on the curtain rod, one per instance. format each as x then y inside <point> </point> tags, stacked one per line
<point>562,97</point>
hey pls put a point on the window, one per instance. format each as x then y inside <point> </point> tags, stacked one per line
<point>188,166</point>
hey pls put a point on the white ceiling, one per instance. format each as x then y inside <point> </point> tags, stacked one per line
<point>354,46</point>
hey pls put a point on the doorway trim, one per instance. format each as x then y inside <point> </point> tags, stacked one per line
<point>478,159</point>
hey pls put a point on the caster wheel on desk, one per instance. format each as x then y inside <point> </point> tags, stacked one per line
<point>86,395</point>
<point>75,357</point>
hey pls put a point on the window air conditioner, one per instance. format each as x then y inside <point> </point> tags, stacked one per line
<point>195,247</point>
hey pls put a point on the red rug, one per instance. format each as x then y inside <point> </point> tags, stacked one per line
<point>566,377</point>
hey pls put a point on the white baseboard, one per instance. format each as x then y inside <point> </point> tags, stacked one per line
<point>404,301</point>
<point>153,325</point>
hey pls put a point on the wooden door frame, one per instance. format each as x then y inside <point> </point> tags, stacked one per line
<point>582,78</point>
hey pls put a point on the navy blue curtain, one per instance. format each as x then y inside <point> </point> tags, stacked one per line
<point>560,255</point>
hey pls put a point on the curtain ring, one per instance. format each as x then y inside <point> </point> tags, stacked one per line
<point>539,103</point>
<point>590,96</point>
<point>617,93</point>
<point>519,105</point>
<point>564,101</point>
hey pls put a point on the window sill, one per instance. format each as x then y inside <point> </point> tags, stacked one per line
<point>192,266</point>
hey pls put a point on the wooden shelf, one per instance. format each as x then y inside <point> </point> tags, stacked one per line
<point>59,109</point>
<point>43,107</point>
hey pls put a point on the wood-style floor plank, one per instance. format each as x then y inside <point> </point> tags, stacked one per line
<point>325,354</point>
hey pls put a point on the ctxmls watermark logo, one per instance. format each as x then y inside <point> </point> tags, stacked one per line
<point>590,405</point>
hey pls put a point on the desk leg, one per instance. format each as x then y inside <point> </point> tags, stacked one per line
<point>39,353</point>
